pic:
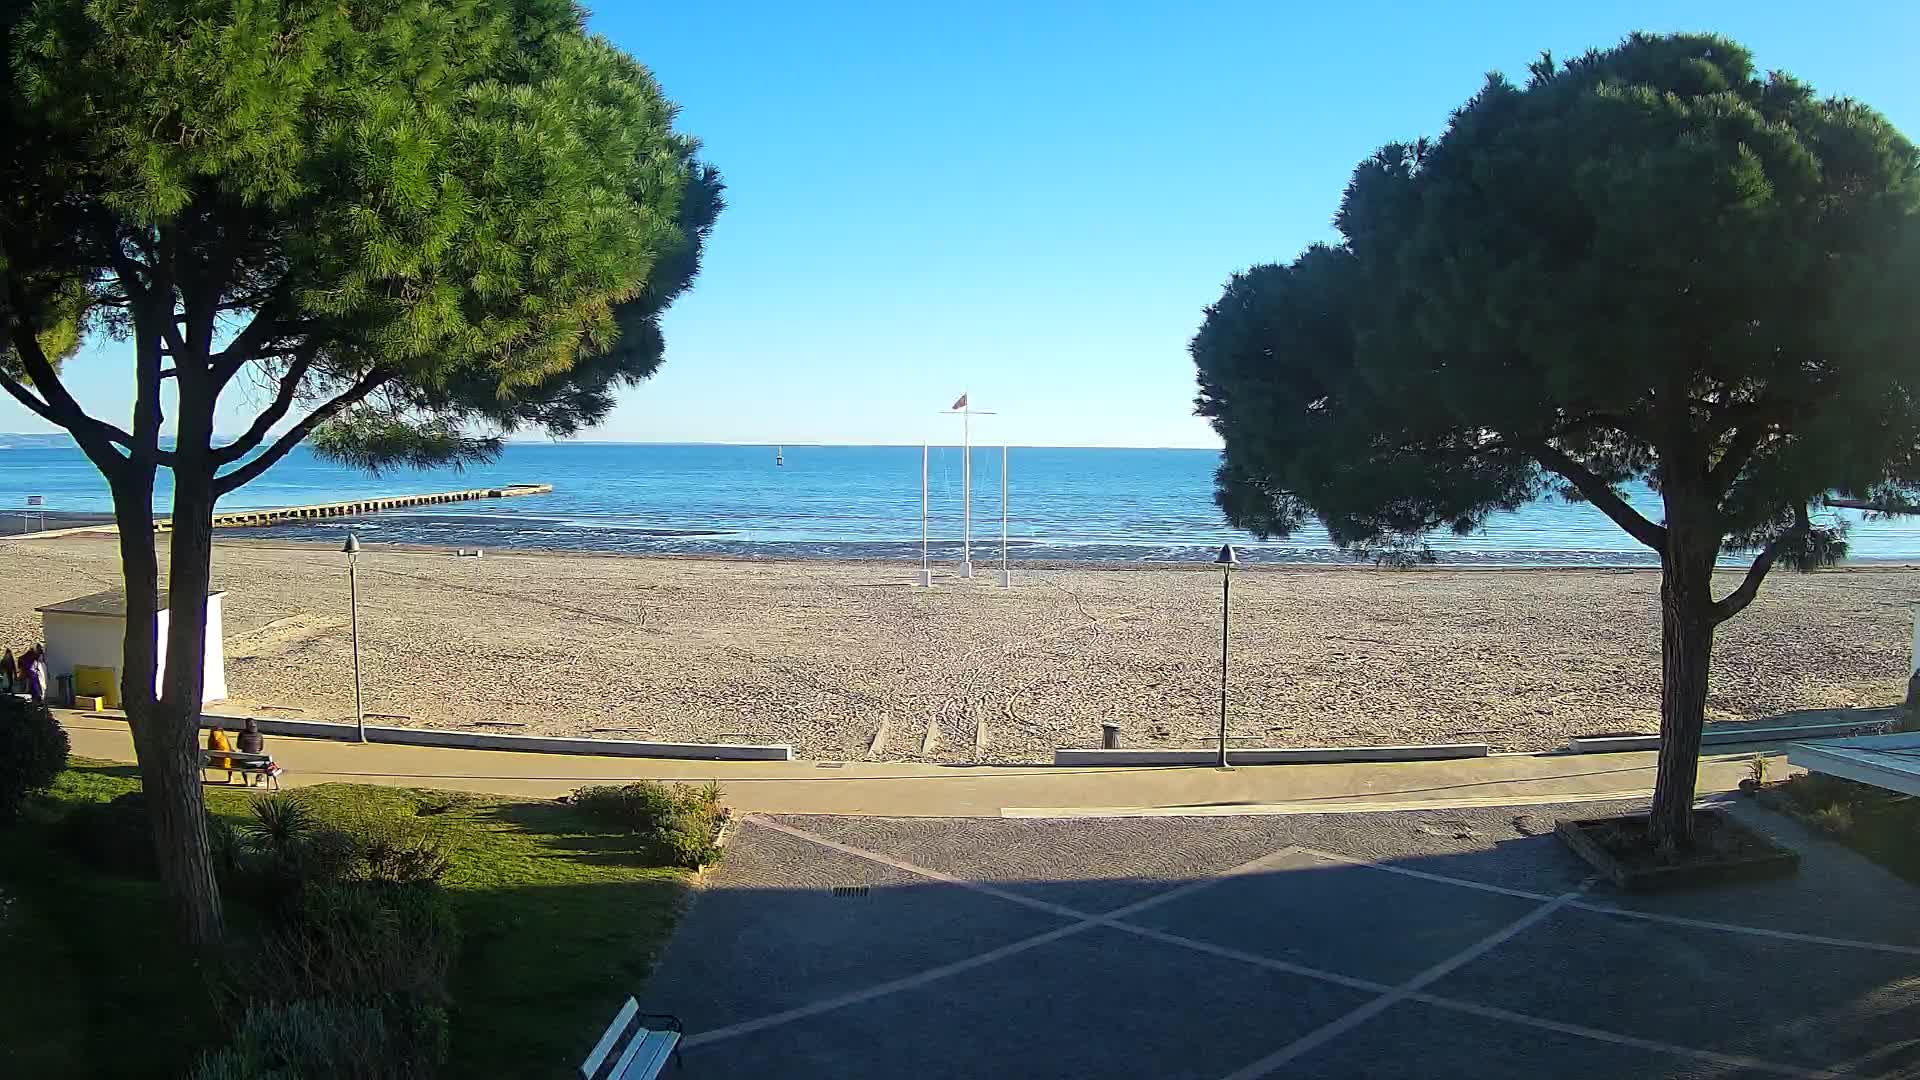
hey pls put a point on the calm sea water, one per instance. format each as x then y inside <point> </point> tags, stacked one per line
<point>851,502</point>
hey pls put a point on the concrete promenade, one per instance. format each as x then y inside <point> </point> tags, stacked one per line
<point>906,789</point>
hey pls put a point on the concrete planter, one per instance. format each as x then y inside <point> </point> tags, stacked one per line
<point>1760,858</point>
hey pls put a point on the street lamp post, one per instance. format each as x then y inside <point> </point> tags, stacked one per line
<point>1226,560</point>
<point>352,550</point>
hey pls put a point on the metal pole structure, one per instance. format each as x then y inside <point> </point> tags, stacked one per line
<point>352,549</point>
<point>966,493</point>
<point>1006,578</point>
<point>1226,559</point>
<point>926,568</point>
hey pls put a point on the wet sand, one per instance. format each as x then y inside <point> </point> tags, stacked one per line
<point>846,660</point>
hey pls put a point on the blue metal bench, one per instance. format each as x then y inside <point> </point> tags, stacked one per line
<point>642,1050</point>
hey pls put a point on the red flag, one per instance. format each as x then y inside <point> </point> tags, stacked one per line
<point>962,403</point>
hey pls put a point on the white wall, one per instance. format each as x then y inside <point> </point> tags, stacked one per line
<point>97,641</point>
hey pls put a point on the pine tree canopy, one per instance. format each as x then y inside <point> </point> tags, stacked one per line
<point>1649,262</point>
<point>404,227</point>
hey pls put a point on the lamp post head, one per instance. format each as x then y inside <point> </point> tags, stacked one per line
<point>352,546</point>
<point>1227,557</point>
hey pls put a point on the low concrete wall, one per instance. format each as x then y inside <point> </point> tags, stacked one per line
<point>1614,744</point>
<point>1317,755</point>
<point>480,740</point>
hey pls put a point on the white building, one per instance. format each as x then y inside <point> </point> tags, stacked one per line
<point>85,639</point>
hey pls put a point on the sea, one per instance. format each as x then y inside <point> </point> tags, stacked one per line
<point>853,502</point>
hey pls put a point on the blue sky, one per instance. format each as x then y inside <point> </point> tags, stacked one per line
<point>1033,202</point>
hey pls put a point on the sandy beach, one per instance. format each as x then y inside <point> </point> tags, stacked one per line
<point>846,661</point>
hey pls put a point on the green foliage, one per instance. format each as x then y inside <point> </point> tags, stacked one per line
<point>114,836</point>
<point>320,1040</point>
<point>1648,262</point>
<point>470,198</point>
<point>33,751</point>
<point>680,822</point>
<point>550,909</point>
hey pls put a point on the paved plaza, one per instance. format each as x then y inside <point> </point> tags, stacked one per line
<point>1458,943</point>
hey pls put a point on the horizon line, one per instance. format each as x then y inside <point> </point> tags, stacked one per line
<point>538,440</point>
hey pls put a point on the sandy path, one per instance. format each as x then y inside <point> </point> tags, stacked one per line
<point>816,654</point>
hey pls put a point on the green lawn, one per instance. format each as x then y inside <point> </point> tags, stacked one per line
<point>560,920</point>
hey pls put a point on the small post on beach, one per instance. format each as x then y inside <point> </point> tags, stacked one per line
<point>1226,560</point>
<point>1006,577</point>
<point>352,550</point>
<point>967,413</point>
<point>926,568</point>
<point>966,489</point>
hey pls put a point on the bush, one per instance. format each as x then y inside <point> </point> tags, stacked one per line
<point>33,751</point>
<point>285,850</point>
<point>361,949</point>
<point>312,1040</point>
<point>679,823</point>
<point>113,836</point>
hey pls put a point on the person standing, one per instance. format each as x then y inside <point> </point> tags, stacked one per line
<point>33,671</point>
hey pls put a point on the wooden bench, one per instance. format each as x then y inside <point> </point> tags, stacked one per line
<point>643,1050</point>
<point>247,765</point>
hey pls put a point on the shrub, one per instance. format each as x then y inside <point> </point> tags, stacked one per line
<point>359,939</point>
<point>113,836</point>
<point>679,823</point>
<point>1836,818</point>
<point>33,750</point>
<point>309,1039</point>
<point>398,860</point>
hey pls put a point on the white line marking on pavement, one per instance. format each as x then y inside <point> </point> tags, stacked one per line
<point>1409,991</point>
<point>1755,931</point>
<point>1061,910</point>
<point>1341,1025</point>
<point>910,982</point>
<point>1735,1060</point>
<point>1625,913</point>
<point>841,1001</point>
<point>1464,883</point>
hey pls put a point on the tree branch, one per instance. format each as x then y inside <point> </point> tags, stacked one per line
<point>293,436</point>
<point>1740,448</point>
<point>1736,601</point>
<point>1599,493</point>
<point>276,411</point>
<point>26,397</point>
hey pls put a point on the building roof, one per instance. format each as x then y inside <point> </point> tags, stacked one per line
<point>1885,761</point>
<point>111,603</point>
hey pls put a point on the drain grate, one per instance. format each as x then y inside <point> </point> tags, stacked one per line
<point>849,891</point>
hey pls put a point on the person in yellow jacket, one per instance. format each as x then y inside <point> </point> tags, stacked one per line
<point>218,746</point>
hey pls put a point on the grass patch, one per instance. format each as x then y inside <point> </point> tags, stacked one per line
<point>1880,824</point>
<point>560,918</point>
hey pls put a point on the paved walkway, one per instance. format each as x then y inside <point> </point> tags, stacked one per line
<point>910,789</point>
<point>1421,944</point>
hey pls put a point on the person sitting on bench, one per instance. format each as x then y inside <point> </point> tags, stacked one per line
<point>218,746</point>
<point>251,741</point>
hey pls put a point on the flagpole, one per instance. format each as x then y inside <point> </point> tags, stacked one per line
<point>1006,578</point>
<point>966,490</point>
<point>926,571</point>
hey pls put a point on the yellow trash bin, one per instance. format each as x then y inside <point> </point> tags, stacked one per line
<point>100,682</point>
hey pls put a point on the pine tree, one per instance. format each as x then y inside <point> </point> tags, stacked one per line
<point>414,227</point>
<point>1646,263</point>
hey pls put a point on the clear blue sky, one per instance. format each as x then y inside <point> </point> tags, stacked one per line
<point>1033,202</point>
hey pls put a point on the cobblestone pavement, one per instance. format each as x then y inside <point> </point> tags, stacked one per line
<point>1461,943</point>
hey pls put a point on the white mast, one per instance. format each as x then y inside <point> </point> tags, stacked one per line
<point>926,570</point>
<point>967,412</point>
<point>1006,577</point>
<point>966,489</point>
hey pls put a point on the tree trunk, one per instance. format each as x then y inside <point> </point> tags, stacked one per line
<point>1686,653</point>
<point>180,819</point>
